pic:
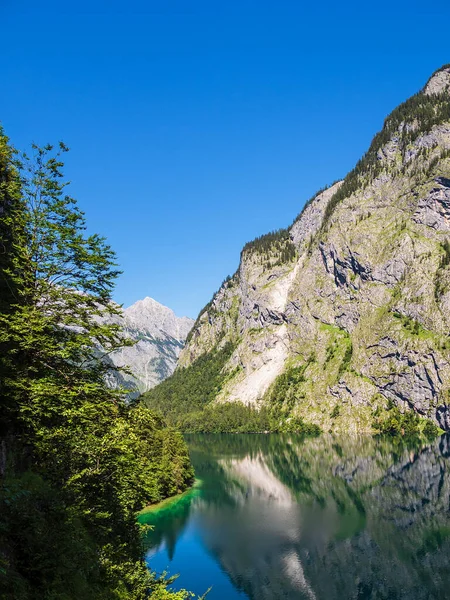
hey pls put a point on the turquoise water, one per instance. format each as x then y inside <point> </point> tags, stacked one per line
<point>281,517</point>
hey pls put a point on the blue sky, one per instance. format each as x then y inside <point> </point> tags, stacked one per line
<point>196,126</point>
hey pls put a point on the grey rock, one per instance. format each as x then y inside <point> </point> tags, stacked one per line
<point>411,380</point>
<point>439,82</point>
<point>159,337</point>
<point>379,253</point>
<point>434,209</point>
<point>311,218</point>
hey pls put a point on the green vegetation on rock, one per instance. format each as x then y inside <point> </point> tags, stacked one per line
<point>186,400</point>
<point>192,388</point>
<point>406,424</point>
<point>274,248</point>
<point>421,112</point>
<point>282,396</point>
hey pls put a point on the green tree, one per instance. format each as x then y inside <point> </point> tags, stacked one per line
<point>10,232</point>
<point>80,462</point>
<point>64,280</point>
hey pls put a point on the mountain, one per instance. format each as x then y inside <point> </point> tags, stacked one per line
<point>159,335</point>
<point>343,319</point>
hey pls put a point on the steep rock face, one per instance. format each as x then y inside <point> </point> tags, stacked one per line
<point>357,291</point>
<point>159,337</point>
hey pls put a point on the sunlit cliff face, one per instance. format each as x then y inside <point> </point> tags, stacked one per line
<point>356,293</point>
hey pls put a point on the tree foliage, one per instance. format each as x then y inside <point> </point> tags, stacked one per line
<point>192,388</point>
<point>77,463</point>
<point>408,424</point>
<point>274,248</point>
<point>230,417</point>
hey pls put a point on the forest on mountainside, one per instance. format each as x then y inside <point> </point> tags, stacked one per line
<point>186,400</point>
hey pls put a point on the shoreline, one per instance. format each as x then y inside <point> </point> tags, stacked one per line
<point>167,502</point>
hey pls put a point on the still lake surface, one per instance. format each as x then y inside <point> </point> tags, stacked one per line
<point>281,517</point>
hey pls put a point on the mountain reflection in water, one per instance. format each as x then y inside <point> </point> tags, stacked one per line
<point>279,516</point>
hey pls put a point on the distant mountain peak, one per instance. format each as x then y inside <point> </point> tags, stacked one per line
<point>157,320</point>
<point>159,335</point>
<point>151,301</point>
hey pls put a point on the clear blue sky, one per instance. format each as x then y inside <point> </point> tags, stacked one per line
<point>196,126</point>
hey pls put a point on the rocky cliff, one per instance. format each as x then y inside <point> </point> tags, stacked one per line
<point>159,337</point>
<point>347,312</point>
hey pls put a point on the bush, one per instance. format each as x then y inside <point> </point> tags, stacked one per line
<point>406,424</point>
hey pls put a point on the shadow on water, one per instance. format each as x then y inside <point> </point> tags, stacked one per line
<point>327,518</point>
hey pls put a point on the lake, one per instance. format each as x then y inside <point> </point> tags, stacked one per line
<point>282,517</point>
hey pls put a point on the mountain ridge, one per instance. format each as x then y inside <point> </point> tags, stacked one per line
<point>346,314</point>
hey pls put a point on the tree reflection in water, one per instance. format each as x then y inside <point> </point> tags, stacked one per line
<point>326,518</point>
